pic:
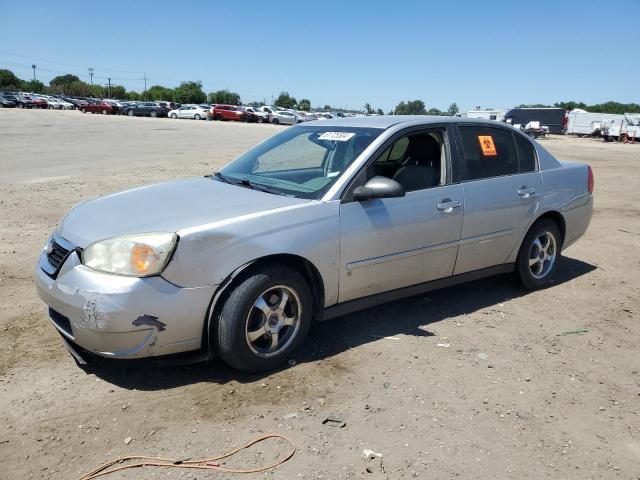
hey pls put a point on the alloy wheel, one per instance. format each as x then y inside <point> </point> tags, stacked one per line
<point>273,321</point>
<point>542,255</point>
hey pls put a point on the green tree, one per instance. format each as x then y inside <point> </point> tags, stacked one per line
<point>327,108</point>
<point>9,81</point>
<point>131,95</point>
<point>190,92</point>
<point>434,111</point>
<point>118,91</point>
<point>35,86</point>
<point>158,92</point>
<point>304,105</point>
<point>224,97</point>
<point>77,89</point>
<point>285,100</point>
<point>453,110</point>
<point>411,107</point>
<point>62,80</point>
<point>379,111</point>
<point>368,108</point>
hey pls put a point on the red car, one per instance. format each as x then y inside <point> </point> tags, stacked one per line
<point>228,112</point>
<point>99,106</point>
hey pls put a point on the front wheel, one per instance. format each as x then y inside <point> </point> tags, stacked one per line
<point>104,112</point>
<point>275,121</point>
<point>130,113</point>
<point>174,116</point>
<point>539,255</point>
<point>264,320</point>
<point>197,116</point>
<point>153,114</point>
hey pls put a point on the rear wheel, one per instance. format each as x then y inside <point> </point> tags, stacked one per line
<point>20,105</point>
<point>130,113</point>
<point>539,255</point>
<point>153,114</point>
<point>264,320</point>
<point>217,117</point>
<point>197,116</point>
<point>275,121</point>
<point>104,111</point>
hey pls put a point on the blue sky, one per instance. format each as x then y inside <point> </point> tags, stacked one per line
<point>342,53</point>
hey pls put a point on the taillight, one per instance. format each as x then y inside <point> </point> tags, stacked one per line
<point>590,182</point>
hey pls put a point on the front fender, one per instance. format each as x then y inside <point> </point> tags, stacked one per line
<point>208,254</point>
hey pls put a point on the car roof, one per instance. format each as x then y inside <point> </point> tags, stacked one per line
<point>387,121</point>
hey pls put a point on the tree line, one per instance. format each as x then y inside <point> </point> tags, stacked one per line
<point>606,107</point>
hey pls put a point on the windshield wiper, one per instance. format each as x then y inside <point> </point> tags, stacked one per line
<point>246,183</point>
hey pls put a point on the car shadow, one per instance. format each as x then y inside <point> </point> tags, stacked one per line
<point>411,316</point>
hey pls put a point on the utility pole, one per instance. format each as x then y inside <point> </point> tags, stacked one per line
<point>91,74</point>
<point>109,78</point>
<point>145,85</point>
<point>34,66</point>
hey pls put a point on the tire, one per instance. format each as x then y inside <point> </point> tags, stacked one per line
<point>174,116</point>
<point>217,117</point>
<point>275,121</point>
<point>153,114</point>
<point>240,317</point>
<point>104,112</point>
<point>20,105</point>
<point>130,113</point>
<point>536,266</point>
<point>260,120</point>
<point>84,110</point>
<point>197,116</point>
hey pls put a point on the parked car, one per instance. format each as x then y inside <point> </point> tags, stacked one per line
<point>169,105</point>
<point>195,112</point>
<point>7,102</point>
<point>318,221</point>
<point>147,109</point>
<point>37,101</point>
<point>283,117</point>
<point>228,112</point>
<point>258,115</point>
<point>99,106</point>
<point>21,102</point>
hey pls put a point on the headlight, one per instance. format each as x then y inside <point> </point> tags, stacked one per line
<point>140,255</point>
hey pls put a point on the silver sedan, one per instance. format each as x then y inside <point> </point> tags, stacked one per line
<point>324,218</point>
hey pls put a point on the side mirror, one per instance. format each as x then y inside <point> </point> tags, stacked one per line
<point>378,187</point>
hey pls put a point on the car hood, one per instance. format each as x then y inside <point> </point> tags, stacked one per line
<point>165,207</point>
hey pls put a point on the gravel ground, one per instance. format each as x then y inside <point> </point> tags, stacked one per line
<point>482,380</point>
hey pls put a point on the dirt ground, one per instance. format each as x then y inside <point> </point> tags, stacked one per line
<point>477,381</point>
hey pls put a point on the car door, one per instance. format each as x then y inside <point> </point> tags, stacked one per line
<point>502,187</point>
<point>186,112</point>
<point>392,243</point>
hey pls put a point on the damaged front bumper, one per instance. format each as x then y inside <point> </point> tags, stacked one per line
<point>123,317</point>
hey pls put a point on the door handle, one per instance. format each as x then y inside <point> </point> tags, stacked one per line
<point>525,191</point>
<point>448,205</point>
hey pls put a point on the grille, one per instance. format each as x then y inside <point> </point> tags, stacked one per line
<point>57,255</point>
<point>60,320</point>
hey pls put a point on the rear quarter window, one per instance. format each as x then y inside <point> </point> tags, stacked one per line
<point>526,154</point>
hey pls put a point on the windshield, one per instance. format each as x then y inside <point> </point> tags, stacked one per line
<point>302,161</point>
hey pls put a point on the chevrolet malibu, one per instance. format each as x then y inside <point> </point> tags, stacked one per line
<point>322,219</point>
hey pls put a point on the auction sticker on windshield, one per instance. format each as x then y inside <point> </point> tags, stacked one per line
<point>337,136</point>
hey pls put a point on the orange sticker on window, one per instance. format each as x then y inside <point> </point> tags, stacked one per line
<point>487,145</point>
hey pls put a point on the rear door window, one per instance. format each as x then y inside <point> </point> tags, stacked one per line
<point>488,152</point>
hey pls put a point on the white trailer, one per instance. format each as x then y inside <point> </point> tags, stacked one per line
<point>581,122</point>
<point>497,115</point>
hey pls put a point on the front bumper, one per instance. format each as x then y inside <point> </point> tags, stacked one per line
<point>123,317</point>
